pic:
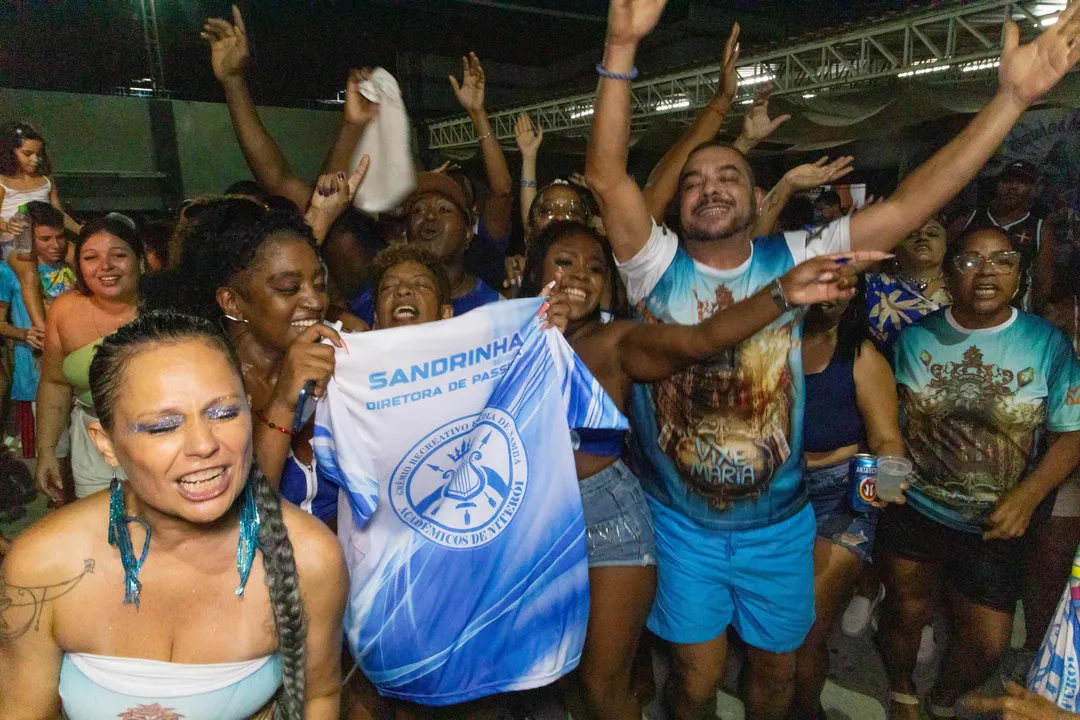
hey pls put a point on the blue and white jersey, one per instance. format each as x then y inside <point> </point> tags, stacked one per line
<point>1055,673</point>
<point>721,441</point>
<point>465,540</point>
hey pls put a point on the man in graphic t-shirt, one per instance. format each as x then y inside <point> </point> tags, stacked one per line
<point>719,445</point>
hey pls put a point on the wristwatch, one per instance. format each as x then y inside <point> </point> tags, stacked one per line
<point>776,292</point>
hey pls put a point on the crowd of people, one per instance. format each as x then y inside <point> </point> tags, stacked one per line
<point>164,374</point>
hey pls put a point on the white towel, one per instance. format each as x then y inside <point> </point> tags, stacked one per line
<point>391,175</point>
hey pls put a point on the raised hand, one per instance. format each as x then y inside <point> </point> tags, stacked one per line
<point>229,52</point>
<point>470,93</point>
<point>527,135</point>
<point>827,277</point>
<point>334,192</point>
<point>729,76</point>
<point>756,123</point>
<point>1028,71</point>
<point>810,175</point>
<point>631,20</point>
<point>515,269</point>
<point>358,109</point>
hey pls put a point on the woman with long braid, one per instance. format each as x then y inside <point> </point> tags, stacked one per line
<point>147,601</point>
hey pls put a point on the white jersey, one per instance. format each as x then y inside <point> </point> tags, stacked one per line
<point>465,540</point>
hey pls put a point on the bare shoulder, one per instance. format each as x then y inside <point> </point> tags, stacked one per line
<point>66,303</point>
<point>60,547</point>
<point>319,557</point>
<point>602,336</point>
<point>870,363</point>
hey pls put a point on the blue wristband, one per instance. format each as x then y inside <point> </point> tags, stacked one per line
<point>528,183</point>
<point>616,76</point>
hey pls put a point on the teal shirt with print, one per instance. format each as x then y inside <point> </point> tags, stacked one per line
<point>973,404</point>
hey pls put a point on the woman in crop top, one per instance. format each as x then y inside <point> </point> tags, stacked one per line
<point>619,532</point>
<point>850,408</point>
<point>151,600</point>
<point>24,177</point>
<point>108,264</point>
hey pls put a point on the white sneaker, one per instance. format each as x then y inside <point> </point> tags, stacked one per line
<point>927,646</point>
<point>858,612</point>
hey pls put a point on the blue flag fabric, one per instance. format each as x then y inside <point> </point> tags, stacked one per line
<point>465,540</point>
<point>1055,674</point>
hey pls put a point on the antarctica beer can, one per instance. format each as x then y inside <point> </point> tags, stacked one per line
<point>863,488</point>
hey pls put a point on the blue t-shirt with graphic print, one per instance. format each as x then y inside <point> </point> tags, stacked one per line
<point>973,403</point>
<point>721,442</point>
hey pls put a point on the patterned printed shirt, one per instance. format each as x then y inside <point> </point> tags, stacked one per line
<point>893,303</point>
<point>973,403</point>
<point>721,442</point>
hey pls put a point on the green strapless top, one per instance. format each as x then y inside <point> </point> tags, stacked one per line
<point>77,371</point>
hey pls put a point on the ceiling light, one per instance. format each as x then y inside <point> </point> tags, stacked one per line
<point>980,65</point>
<point>676,103</point>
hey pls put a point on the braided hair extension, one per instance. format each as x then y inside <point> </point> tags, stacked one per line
<point>283,584</point>
<point>279,562</point>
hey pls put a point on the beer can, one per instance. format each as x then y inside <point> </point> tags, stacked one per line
<point>862,491</point>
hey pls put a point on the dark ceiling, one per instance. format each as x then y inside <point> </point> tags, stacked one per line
<point>304,48</point>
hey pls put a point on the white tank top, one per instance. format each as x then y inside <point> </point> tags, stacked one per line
<point>14,198</point>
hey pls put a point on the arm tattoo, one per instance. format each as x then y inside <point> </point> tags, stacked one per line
<point>17,596</point>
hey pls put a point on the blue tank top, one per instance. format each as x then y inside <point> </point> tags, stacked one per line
<point>831,418</point>
<point>302,486</point>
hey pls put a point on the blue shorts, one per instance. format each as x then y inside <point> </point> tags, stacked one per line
<point>618,526</point>
<point>760,581</point>
<point>836,521</point>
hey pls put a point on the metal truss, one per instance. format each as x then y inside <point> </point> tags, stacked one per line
<point>947,43</point>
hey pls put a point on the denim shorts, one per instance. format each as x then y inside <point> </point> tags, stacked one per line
<point>618,526</point>
<point>836,521</point>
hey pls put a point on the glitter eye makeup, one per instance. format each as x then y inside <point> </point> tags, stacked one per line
<point>223,412</point>
<point>162,425</point>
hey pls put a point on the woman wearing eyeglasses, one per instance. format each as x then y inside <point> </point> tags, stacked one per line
<point>979,383</point>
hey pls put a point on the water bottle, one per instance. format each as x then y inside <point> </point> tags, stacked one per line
<point>24,241</point>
